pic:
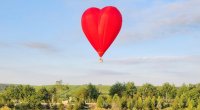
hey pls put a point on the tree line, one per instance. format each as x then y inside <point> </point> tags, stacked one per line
<point>120,96</point>
<point>126,96</point>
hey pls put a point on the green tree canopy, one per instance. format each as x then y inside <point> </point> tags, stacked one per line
<point>100,101</point>
<point>117,88</point>
<point>92,92</point>
<point>139,104</point>
<point>116,105</point>
<point>168,91</point>
<point>148,90</point>
<point>44,94</point>
<point>130,89</point>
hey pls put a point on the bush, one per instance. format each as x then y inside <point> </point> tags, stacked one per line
<point>10,104</point>
<point>47,106</point>
<point>100,101</point>
<point>22,106</point>
<point>61,106</point>
<point>54,107</point>
<point>1,105</point>
<point>79,105</point>
<point>69,107</point>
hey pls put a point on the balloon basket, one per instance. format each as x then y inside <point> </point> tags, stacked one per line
<point>100,60</point>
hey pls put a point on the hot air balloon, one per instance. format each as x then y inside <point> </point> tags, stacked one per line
<point>101,27</point>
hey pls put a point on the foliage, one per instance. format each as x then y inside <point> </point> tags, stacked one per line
<point>139,104</point>
<point>130,104</point>
<point>123,104</point>
<point>120,96</point>
<point>175,105</point>
<point>168,91</point>
<point>100,102</point>
<point>92,92</point>
<point>130,89</point>
<point>147,102</point>
<point>148,90</point>
<point>44,94</point>
<point>81,94</point>
<point>190,104</point>
<point>79,105</point>
<point>160,103</point>
<point>3,86</point>
<point>117,88</point>
<point>198,106</point>
<point>116,105</point>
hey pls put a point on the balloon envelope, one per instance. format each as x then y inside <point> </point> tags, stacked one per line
<point>101,27</point>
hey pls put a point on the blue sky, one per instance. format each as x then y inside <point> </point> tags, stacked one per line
<point>42,41</point>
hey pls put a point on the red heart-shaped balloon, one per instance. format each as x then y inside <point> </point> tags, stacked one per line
<point>101,27</point>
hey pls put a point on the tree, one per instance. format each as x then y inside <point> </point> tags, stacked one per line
<point>1,100</point>
<point>58,92</point>
<point>81,93</point>
<point>6,95</point>
<point>9,92</point>
<point>130,104</point>
<point>117,88</point>
<point>108,101</point>
<point>194,94</point>
<point>147,103</point>
<point>79,105</point>
<point>18,92</point>
<point>123,102</point>
<point>168,91</point>
<point>153,103</point>
<point>191,86</point>
<point>92,92</point>
<point>139,104</point>
<point>182,101</point>
<point>14,93</point>
<point>54,95</point>
<point>130,89</point>
<point>190,104</point>
<point>35,101</point>
<point>148,90</point>
<point>61,107</point>
<point>28,91</point>
<point>116,102</point>
<point>100,101</point>
<point>183,89</point>
<point>69,107</point>
<point>175,103</point>
<point>44,94</point>
<point>104,101</point>
<point>198,106</point>
<point>160,103</point>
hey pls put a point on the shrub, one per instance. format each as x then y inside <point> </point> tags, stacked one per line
<point>1,105</point>
<point>61,106</point>
<point>22,106</point>
<point>10,104</point>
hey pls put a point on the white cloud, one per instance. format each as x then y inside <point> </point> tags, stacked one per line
<point>3,45</point>
<point>40,46</point>
<point>107,73</point>
<point>157,59</point>
<point>164,19</point>
<point>160,69</point>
